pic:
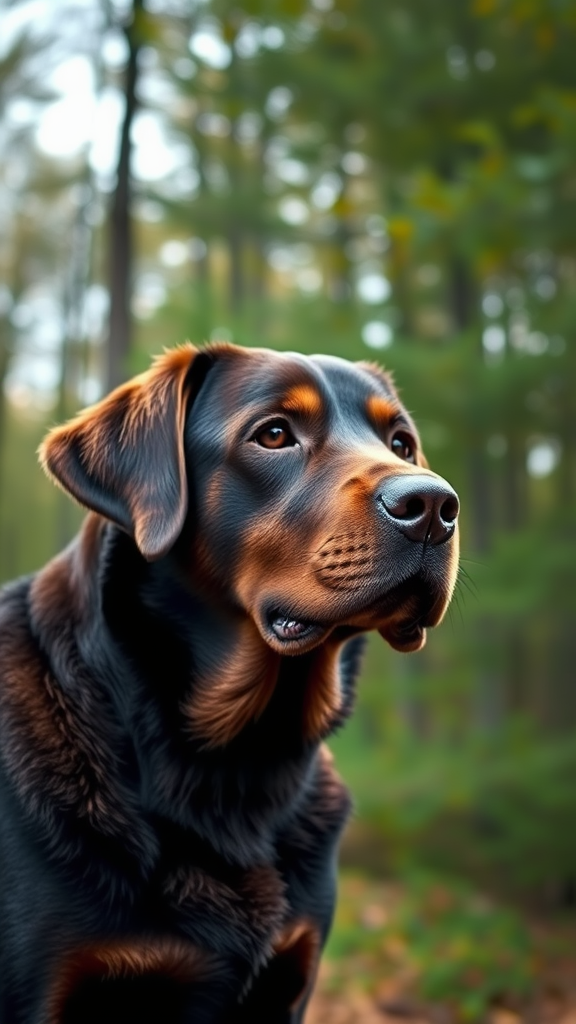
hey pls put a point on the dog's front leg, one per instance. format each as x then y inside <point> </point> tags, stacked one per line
<point>280,992</point>
<point>307,862</point>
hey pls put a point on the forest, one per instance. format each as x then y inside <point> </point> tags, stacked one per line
<point>382,179</point>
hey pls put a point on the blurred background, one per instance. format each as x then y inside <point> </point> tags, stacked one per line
<point>384,178</point>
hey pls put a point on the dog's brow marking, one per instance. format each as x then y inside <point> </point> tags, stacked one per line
<point>303,398</point>
<point>381,410</point>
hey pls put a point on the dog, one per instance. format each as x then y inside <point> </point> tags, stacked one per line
<point>170,814</point>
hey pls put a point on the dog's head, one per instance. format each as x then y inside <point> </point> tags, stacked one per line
<point>293,488</point>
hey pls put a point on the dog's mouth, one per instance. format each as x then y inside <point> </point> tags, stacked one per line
<point>401,616</point>
<point>293,634</point>
<point>405,636</point>
<point>286,628</point>
<point>409,610</point>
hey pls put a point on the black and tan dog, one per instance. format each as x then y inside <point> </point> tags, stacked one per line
<point>169,816</point>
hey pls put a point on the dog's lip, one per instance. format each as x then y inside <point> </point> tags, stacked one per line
<point>406,636</point>
<point>407,632</point>
<point>401,615</point>
<point>287,628</point>
<point>290,631</point>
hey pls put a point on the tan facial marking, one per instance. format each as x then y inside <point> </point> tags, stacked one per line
<point>345,560</point>
<point>381,410</point>
<point>303,399</point>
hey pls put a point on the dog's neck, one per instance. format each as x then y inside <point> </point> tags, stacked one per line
<point>237,676</point>
<point>207,655</point>
<point>200,708</point>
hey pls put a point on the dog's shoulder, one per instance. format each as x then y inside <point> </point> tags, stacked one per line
<point>20,658</point>
<point>59,745</point>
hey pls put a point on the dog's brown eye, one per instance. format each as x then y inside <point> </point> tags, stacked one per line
<point>403,446</point>
<point>275,435</point>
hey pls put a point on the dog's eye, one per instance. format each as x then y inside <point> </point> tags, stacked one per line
<point>275,435</point>
<point>403,446</point>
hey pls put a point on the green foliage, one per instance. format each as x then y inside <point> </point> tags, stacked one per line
<point>35,518</point>
<point>430,145</point>
<point>431,790</point>
<point>431,940</point>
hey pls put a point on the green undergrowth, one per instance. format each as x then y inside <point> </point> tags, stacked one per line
<point>432,941</point>
<point>490,806</point>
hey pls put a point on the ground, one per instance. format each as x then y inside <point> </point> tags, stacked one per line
<point>427,951</point>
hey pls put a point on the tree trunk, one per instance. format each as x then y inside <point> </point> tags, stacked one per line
<point>121,242</point>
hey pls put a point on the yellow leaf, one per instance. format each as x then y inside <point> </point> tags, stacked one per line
<point>525,10</point>
<point>483,7</point>
<point>491,164</point>
<point>526,114</point>
<point>481,132</point>
<point>400,229</point>
<point>488,262</point>
<point>569,99</point>
<point>229,30</point>
<point>342,207</point>
<point>545,36</point>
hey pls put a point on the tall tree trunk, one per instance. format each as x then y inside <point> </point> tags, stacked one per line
<point>121,242</point>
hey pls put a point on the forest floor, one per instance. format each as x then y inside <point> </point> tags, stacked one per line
<point>358,1008</point>
<point>435,952</point>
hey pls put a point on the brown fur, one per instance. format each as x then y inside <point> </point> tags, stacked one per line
<point>173,958</point>
<point>149,404</point>
<point>323,696</point>
<point>303,400</point>
<point>381,411</point>
<point>160,724</point>
<point>237,693</point>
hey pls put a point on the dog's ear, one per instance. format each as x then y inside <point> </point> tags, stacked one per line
<point>124,456</point>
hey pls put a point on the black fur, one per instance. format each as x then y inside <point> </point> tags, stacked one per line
<point>151,872</point>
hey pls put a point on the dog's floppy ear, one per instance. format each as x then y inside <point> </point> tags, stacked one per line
<point>124,456</point>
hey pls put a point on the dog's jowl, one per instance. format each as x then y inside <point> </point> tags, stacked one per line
<point>170,816</point>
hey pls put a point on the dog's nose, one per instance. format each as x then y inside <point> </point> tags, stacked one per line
<point>422,507</point>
